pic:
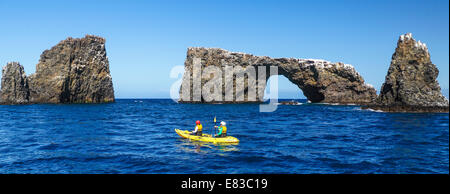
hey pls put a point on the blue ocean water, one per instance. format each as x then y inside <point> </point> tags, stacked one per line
<point>137,136</point>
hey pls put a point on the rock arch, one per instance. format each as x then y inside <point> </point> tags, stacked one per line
<point>320,80</point>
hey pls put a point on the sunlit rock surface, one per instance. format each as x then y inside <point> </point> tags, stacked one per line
<point>410,84</point>
<point>73,71</point>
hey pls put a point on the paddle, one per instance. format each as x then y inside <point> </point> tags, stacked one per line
<point>212,135</point>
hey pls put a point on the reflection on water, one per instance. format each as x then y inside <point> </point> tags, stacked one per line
<point>205,147</point>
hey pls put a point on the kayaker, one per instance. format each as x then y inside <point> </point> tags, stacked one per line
<point>222,129</point>
<point>198,129</point>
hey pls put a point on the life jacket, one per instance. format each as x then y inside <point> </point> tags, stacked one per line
<point>224,129</point>
<point>199,127</point>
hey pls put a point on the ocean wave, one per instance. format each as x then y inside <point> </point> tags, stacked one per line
<point>369,109</point>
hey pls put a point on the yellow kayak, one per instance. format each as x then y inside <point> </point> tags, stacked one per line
<point>206,137</point>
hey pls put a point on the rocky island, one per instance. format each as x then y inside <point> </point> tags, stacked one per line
<point>74,71</point>
<point>410,84</point>
<point>77,71</point>
<point>320,80</point>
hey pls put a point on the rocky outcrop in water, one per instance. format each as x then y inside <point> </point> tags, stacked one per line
<point>73,71</point>
<point>292,102</point>
<point>410,84</point>
<point>320,80</point>
<point>15,88</point>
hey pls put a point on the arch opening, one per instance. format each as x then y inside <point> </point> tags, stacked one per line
<point>286,89</point>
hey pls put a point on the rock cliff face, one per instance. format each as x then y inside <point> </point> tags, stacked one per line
<point>73,71</point>
<point>320,81</point>
<point>410,84</point>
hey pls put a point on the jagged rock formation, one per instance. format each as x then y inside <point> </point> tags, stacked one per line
<point>14,84</point>
<point>410,84</point>
<point>320,81</point>
<point>73,71</point>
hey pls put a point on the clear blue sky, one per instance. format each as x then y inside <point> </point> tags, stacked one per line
<point>145,39</point>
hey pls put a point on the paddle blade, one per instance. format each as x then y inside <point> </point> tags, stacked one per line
<point>214,119</point>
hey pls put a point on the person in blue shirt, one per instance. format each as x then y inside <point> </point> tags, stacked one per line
<point>222,129</point>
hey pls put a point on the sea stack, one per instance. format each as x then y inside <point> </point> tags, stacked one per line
<point>321,81</point>
<point>15,89</point>
<point>73,71</point>
<point>410,84</point>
